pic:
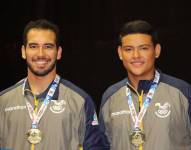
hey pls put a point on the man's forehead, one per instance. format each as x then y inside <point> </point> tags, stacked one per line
<point>138,38</point>
<point>41,32</point>
<point>41,36</point>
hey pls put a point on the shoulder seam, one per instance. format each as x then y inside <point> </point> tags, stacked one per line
<point>12,87</point>
<point>111,90</point>
<point>74,88</point>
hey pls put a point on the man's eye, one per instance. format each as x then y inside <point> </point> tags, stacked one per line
<point>128,49</point>
<point>48,46</point>
<point>33,46</point>
<point>144,48</point>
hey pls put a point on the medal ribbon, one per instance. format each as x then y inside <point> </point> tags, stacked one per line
<point>138,118</point>
<point>35,117</point>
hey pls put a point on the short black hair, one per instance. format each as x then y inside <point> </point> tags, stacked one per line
<point>138,26</point>
<point>41,24</point>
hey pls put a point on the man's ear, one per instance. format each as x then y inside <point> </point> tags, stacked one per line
<point>23,52</point>
<point>59,54</point>
<point>157,50</point>
<point>119,52</point>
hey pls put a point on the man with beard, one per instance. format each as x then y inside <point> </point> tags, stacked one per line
<point>44,111</point>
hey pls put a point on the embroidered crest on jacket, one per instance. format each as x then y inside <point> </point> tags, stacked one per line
<point>57,106</point>
<point>163,111</point>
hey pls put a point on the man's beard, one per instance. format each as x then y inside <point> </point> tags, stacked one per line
<point>41,72</point>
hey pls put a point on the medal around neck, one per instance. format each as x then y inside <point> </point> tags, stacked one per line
<point>34,136</point>
<point>137,137</point>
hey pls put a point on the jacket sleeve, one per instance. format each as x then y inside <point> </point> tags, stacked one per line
<point>189,101</point>
<point>94,138</point>
<point>1,127</point>
<point>104,119</point>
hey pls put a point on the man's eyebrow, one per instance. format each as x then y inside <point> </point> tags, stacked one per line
<point>32,43</point>
<point>49,44</point>
<point>145,45</point>
<point>127,46</point>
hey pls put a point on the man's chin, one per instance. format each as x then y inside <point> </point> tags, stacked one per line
<point>40,74</point>
<point>41,71</point>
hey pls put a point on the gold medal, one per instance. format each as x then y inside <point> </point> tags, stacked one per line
<point>34,136</point>
<point>137,137</point>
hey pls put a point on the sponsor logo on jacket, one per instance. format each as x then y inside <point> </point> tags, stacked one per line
<point>118,113</point>
<point>14,108</point>
<point>95,120</point>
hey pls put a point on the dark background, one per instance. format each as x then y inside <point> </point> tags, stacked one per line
<point>89,33</point>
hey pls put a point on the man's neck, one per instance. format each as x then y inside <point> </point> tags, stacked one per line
<point>39,84</point>
<point>134,80</point>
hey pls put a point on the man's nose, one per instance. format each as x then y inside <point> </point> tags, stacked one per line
<point>136,53</point>
<point>41,51</point>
